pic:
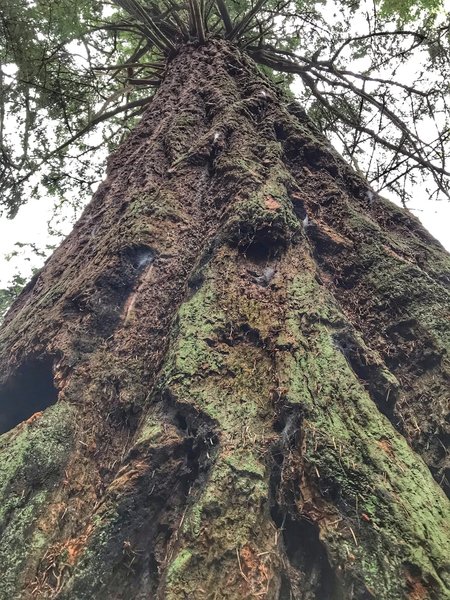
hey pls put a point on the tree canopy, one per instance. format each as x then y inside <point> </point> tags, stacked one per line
<point>75,76</point>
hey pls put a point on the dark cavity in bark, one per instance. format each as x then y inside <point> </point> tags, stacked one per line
<point>29,390</point>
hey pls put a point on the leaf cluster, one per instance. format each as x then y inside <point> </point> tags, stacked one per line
<point>10,293</point>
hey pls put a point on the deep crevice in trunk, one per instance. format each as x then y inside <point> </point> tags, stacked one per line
<point>29,390</point>
<point>308,574</point>
<point>307,556</point>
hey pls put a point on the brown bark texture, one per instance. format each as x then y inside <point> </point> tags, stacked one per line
<point>231,379</point>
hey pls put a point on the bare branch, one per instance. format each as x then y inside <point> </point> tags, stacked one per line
<point>99,118</point>
<point>225,16</point>
<point>197,20</point>
<point>240,27</point>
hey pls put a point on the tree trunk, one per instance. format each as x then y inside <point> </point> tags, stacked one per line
<point>231,379</point>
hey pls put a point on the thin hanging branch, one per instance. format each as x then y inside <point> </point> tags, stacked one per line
<point>96,120</point>
<point>145,82</point>
<point>184,33</point>
<point>153,31</point>
<point>312,72</point>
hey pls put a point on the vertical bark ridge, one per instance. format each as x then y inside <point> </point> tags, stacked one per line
<point>392,280</point>
<point>225,367</point>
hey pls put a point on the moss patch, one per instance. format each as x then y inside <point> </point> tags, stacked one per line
<point>383,496</point>
<point>33,460</point>
<point>264,221</point>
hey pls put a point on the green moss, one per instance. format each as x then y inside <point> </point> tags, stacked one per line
<point>198,321</point>
<point>264,218</point>
<point>158,205</point>
<point>240,167</point>
<point>226,377</point>
<point>33,458</point>
<point>226,515</point>
<point>219,510</point>
<point>362,223</point>
<point>245,463</point>
<point>151,431</point>
<point>404,287</point>
<point>178,566</point>
<point>367,466</point>
<point>223,382</point>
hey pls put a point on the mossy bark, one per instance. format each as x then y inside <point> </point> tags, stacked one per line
<point>251,357</point>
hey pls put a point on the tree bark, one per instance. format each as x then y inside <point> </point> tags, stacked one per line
<point>231,379</point>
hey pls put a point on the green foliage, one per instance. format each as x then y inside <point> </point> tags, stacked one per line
<point>10,293</point>
<point>408,10</point>
<point>51,93</point>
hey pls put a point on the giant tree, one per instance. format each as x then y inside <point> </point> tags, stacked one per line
<point>231,379</point>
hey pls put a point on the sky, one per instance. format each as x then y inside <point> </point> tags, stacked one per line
<point>29,227</point>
